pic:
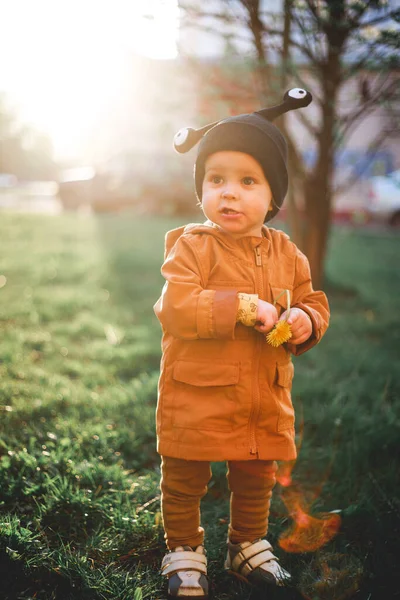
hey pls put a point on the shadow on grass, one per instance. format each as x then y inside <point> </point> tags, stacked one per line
<point>18,582</point>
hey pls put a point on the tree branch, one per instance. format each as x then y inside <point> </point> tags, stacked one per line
<point>305,33</point>
<point>360,64</point>
<point>226,36</point>
<point>360,9</point>
<point>296,44</point>
<point>313,11</point>
<point>377,20</point>
<point>379,94</point>
<point>353,120</point>
<point>312,129</point>
<point>373,148</point>
<point>192,12</point>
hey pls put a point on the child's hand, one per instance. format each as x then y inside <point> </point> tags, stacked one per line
<point>267,316</point>
<point>300,324</point>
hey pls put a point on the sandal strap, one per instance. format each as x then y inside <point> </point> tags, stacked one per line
<point>184,565</point>
<point>183,560</point>
<point>252,557</point>
<point>255,548</point>
<point>247,567</point>
<point>183,555</point>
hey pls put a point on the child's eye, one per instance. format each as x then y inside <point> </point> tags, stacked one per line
<point>216,179</point>
<point>248,180</point>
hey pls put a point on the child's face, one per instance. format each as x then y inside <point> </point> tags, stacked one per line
<point>236,195</point>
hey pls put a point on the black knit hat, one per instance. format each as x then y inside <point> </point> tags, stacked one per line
<point>252,134</point>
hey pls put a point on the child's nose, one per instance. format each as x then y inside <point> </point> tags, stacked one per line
<point>229,191</point>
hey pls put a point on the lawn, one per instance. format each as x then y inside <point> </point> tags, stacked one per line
<point>79,474</point>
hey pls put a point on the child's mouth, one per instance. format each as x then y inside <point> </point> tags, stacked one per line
<point>229,211</point>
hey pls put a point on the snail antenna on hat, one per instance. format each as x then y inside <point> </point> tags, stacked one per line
<point>187,137</point>
<point>294,98</point>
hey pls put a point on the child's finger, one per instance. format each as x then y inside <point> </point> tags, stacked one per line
<point>300,336</point>
<point>263,327</point>
<point>294,315</point>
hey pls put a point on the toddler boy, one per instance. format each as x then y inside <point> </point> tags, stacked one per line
<point>224,392</point>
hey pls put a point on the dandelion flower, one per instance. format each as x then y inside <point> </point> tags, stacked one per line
<point>280,334</point>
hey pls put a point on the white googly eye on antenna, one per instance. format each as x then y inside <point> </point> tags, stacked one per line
<point>181,137</point>
<point>297,93</point>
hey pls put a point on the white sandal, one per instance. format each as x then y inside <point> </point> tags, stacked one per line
<point>186,570</point>
<point>254,563</point>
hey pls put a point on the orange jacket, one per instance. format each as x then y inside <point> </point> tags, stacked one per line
<point>224,392</point>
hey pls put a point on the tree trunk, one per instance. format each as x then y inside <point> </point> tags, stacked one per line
<point>318,199</point>
<point>316,230</point>
<point>295,192</point>
<point>292,207</point>
<point>318,185</point>
<point>257,29</point>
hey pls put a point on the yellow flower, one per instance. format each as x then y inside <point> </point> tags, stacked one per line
<point>280,334</point>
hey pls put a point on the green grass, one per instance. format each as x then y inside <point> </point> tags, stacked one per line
<point>79,474</point>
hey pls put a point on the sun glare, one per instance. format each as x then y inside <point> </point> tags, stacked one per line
<point>66,59</point>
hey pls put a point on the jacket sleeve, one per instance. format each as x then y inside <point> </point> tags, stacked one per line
<point>314,303</point>
<point>186,309</point>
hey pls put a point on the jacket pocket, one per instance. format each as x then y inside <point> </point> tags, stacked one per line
<point>204,394</point>
<point>284,378</point>
<point>279,295</point>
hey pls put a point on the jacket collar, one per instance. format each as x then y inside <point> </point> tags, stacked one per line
<point>236,247</point>
<point>210,228</point>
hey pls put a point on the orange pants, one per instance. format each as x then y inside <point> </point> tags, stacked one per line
<point>184,483</point>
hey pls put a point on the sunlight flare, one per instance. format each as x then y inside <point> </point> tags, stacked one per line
<point>79,56</point>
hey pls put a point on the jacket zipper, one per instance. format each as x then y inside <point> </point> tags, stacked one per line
<point>256,405</point>
<point>258,256</point>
